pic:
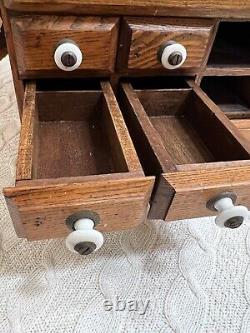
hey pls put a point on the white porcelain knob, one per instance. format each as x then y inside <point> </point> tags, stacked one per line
<point>230,216</point>
<point>68,56</point>
<point>172,55</point>
<point>85,239</point>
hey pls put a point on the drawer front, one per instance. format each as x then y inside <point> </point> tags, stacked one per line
<point>149,36</point>
<point>40,212</point>
<point>185,194</point>
<point>37,37</point>
<point>75,155</point>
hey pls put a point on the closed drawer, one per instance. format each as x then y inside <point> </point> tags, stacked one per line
<point>36,39</point>
<point>144,40</point>
<point>75,155</point>
<point>188,142</point>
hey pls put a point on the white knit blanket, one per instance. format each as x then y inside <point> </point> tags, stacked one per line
<point>182,277</point>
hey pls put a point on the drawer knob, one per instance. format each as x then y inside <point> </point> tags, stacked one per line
<point>172,55</point>
<point>68,56</point>
<point>85,239</point>
<point>230,216</point>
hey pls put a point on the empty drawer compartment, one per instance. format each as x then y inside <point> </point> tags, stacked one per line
<point>188,142</point>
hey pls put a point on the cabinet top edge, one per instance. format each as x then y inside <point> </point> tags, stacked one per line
<point>192,8</point>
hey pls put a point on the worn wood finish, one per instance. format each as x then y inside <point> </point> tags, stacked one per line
<point>39,212</point>
<point>58,158</point>
<point>190,8</point>
<point>244,127</point>
<point>194,188</point>
<point>77,140</point>
<point>142,129</point>
<point>26,152</point>
<point>179,131</point>
<point>95,36</point>
<point>147,36</point>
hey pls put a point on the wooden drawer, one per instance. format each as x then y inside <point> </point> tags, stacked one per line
<point>189,143</point>
<point>143,39</point>
<point>37,37</point>
<point>75,155</point>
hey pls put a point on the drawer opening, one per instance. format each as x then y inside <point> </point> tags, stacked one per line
<point>180,127</point>
<point>231,46</point>
<point>231,94</point>
<point>73,133</point>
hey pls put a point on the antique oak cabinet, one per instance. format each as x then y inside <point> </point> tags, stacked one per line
<point>129,109</point>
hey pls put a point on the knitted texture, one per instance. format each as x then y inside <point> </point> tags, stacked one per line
<point>185,277</point>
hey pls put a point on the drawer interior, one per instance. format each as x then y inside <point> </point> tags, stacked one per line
<point>231,94</point>
<point>231,46</point>
<point>73,131</point>
<point>179,125</point>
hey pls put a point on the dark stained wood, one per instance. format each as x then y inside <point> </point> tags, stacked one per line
<point>231,47</point>
<point>147,36</point>
<point>231,94</point>
<point>96,37</point>
<point>191,8</point>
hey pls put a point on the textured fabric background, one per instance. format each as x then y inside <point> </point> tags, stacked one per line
<point>193,276</point>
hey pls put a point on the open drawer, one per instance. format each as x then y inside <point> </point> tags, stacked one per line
<point>189,143</point>
<point>75,155</point>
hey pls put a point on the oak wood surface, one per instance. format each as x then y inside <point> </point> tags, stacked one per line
<point>244,127</point>
<point>27,141</point>
<point>86,137</point>
<point>194,188</point>
<point>39,207</point>
<point>36,38</point>
<point>39,211</point>
<point>147,36</point>
<point>193,8</point>
<point>195,133</point>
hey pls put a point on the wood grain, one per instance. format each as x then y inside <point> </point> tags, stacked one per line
<point>192,132</point>
<point>40,211</point>
<point>26,152</point>
<point>95,36</point>
<point>192,8</point>
<point>194,188</point>
<point>147,36</point>
<point>244,127</point>
<point>52,147</point>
